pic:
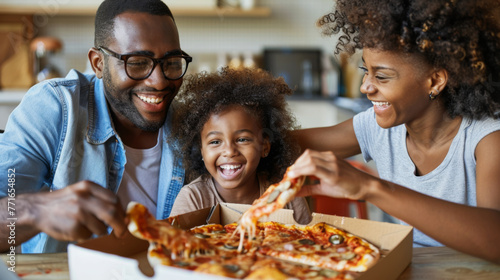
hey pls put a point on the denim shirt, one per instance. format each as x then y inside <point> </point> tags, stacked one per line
<point>62,133</point>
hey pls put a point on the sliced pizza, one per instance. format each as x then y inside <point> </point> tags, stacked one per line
<point>324,246</point>
<point>224,241</point>
<point>272,268</point>
<point>278,251</point>
<point>274,198</point>
<point>167,243</point>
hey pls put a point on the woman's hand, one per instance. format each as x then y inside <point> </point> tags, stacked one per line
<point>337,178</point>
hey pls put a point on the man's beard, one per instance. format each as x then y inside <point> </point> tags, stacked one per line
<point>125,106</point>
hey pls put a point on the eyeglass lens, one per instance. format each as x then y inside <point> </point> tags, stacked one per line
<point>139,67</point>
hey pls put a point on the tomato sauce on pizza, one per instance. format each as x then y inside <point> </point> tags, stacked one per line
<point>276,251</point>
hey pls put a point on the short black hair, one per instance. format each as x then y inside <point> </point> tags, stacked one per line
<point>258,92</point>
<point>109,9</point>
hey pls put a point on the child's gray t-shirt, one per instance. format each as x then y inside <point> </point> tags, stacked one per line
<point>453,180</point>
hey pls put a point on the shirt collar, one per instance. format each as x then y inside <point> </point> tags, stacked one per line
<point>100,127</point>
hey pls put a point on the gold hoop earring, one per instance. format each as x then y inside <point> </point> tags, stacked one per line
<point>432,97</point>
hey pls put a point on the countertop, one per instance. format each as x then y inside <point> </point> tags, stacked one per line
<point>11,96</point>
<point>427,263</point>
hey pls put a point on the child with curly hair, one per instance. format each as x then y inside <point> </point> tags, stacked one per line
<point>431,70</point>
<point>234,126</point>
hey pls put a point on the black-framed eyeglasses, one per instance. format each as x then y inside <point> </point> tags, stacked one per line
<point>140,67</point>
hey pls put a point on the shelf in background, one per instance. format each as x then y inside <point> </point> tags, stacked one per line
<point>257,12</point>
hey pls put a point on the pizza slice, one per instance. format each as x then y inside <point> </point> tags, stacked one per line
<point>280,251</point>
<point>277,233</point>
<point>273,199</point>
<point>224,241</point>
<point>271,268</point>
<point>326,247</point>
<point>167,243</point>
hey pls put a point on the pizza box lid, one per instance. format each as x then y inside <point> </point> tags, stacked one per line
<point>109,257</point>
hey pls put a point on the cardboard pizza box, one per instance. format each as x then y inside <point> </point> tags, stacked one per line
<point>111,258</point>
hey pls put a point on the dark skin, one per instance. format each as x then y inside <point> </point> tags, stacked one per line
<point>130,40</point>
<point>85,208</point>
<point>400,87</point>
<point>234,137</point>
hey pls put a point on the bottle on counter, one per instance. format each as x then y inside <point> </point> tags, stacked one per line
<point>330,77</point>
<point>307,78</point>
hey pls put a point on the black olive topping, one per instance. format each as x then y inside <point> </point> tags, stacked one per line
<point>201,235</point>
<point>328,273</point>
<point>229,246</point>
<point>181,263</point>
<point>306,242</point>
<point>232,267</point>
<point>336,239</point>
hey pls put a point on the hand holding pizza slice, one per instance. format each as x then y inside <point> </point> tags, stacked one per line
<point>273,199</point>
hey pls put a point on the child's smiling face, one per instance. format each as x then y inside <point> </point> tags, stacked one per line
<point>232,145</point>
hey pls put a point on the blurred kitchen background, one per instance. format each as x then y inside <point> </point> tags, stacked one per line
<point>41,39</point>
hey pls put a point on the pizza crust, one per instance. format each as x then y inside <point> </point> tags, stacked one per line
<point>320,251</point>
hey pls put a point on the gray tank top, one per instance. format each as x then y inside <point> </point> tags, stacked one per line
<point>453,180</point>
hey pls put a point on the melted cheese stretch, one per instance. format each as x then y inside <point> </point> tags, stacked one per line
<point>262,207</point>
<point>179,242</point>
<point>309,246</point>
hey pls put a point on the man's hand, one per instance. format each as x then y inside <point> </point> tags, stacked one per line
<point>78,211</point>
<point>71,214</point>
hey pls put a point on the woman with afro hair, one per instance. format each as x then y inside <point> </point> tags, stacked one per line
<point>432,72</point>
<point>234,128</point>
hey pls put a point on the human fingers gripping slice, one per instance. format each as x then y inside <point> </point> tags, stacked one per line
<point>336,177</point>
<point>96,201</point>
<point>100,214</point>
<point>74,213</point>
<point>92,224</point>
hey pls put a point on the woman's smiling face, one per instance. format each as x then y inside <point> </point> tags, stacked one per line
<point>398,86</point>
<point>232,145</point>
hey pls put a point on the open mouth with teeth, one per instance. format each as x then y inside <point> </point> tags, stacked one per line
<point>380,104</point>
<point>151,100</point>
<point>229,170</point>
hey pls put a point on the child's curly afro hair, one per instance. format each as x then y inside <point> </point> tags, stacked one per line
<point>205,94</point>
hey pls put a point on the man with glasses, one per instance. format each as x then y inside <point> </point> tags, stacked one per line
<point>78,149</point>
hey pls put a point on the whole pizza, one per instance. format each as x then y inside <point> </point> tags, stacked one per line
<point>253,250</point>
<point>272,250</point>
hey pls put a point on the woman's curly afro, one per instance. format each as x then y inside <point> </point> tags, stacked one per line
<point>461,36</point>
<point>259,93</point>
